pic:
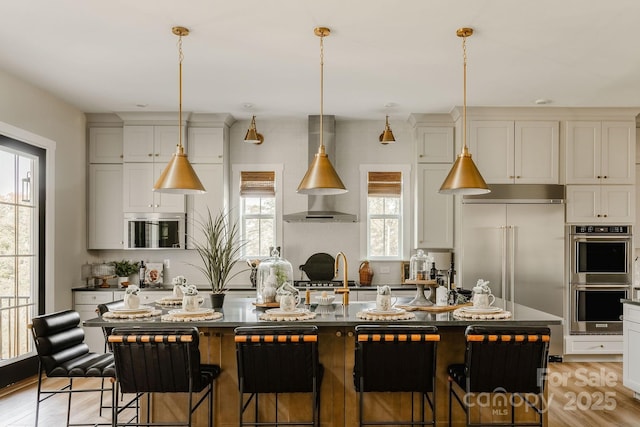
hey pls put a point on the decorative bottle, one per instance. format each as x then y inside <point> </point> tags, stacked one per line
<point>142,272</point>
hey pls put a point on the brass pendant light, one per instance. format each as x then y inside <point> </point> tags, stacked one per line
<point>321,178</point>
<point>252,136</point>
<point>464,177</point>
<point>178,177</point>
<point>387,137</point>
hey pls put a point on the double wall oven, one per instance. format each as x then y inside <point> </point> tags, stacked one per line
<point>601,261</point>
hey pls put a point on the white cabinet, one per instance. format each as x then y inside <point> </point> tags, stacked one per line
<point>105,145</point>
<point>520,152</point>
<point>206,145</point>
<point>600,203</point>
<point>600,152</point>
<point>631,347</point>
<point>105,219</point>
<point>138,194</point>
<point>434,144</point>
<point>593,344</point>
<point>86,304</point>
<point>434,211</point>
<point>151,143</point>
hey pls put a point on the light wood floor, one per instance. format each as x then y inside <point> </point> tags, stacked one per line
<point>580,394</point>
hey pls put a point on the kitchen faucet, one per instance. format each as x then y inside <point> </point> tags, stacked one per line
<point>344,290</point>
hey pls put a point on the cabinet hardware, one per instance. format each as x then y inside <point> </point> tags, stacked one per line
<point>605,215</point>
<point>151,155</point>
<point>599,176</point>
<point>338,334</point>
<point>350,333</point>
<point>157,154</point>
<point>598,215</point>
<point>518,177</point>
<point>421,155</point>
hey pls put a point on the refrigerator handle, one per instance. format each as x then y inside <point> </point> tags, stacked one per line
<point>504,266</point>
<point>512,266</point>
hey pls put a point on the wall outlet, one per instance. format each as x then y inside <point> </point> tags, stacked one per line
<point>384,270</point>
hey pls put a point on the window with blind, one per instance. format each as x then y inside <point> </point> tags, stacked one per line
<point>384,214</point>
<point>258,212</point>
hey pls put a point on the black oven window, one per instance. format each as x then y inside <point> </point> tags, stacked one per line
<point>602,257</point>
<point>600,306</point>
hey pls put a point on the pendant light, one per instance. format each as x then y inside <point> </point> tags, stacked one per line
<point>178,177</point>
<point>252,136</point>
<point>464,177</point>
<point>321,179</point>
<point>386,137</point>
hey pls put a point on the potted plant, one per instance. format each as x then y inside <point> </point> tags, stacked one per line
<point>219,250</point>
<point>124,269</point>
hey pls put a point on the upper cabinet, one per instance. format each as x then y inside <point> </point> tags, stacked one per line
<point>151,143</point>
<point>600,152</point>
<point>515,152</point>
<point>206,145</point>
<point>434,211</point>
<point>105,145</point>
<point>612,204</point>
<point>105,223</point>
<point>434,144</point>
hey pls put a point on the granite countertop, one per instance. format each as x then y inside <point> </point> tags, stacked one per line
<point>241,312</point>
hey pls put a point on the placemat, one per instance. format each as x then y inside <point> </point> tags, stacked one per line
<point>463,314</point>
<point>192,316</point>
<point>396,314</point>
<point>434,308</point>
<point>150,313</point>
<point>275,314</point>
<point>172,301</point>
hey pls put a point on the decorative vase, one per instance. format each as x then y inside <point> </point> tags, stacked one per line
<point>217,300</point>
<point>123,282</point>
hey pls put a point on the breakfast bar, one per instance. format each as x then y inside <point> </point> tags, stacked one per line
<point>336,323</point>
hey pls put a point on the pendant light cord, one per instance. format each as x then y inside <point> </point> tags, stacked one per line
<point>465,150</point>
<point>180,58</point>
<point>321,91</point>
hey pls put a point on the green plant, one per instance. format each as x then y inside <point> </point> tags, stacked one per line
<point>219,250</point>
<point>125,268</point>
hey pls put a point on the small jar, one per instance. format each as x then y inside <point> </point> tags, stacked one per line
<point>273,272</point>
<point>419,266</point>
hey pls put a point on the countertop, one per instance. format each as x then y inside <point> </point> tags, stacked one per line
<point>630,301</point>
<point>241,312</point>
<point>231,290</point>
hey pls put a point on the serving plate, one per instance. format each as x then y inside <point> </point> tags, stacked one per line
<point>198,312</point>
<point>391,312</point>
<point>281,312</point>
<point>140,309</point>
<point>486,310</point>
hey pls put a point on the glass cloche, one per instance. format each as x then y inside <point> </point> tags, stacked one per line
<point>273,273</point>
<point>419,266</point>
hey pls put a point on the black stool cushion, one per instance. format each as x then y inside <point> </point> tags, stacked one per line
<point>61,348</point>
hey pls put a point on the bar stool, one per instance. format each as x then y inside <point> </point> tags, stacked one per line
<point>396,358</point>
<point>154,360</point>
<point>504,361</point>
<point>106,331</point>
<point>62,353</point>
<point>278,359</point>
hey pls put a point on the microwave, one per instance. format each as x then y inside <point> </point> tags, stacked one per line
<point>154,231</point>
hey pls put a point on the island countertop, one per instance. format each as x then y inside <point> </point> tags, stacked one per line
<point>241,312</point>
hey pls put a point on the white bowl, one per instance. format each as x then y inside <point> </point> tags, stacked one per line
<point>326,300</point>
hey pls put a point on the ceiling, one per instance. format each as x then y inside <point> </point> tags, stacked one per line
<point>261,57</point>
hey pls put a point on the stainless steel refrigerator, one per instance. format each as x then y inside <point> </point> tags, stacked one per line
<point>516,241</point>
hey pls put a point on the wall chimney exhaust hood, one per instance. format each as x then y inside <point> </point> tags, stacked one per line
<point>321,208</point>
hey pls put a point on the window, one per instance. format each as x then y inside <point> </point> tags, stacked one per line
<point>258,212</point>
<point>386,210</point>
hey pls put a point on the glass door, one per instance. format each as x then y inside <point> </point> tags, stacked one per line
<point>20,243</point>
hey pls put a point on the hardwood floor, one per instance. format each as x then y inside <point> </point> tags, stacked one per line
<point>582,394</point>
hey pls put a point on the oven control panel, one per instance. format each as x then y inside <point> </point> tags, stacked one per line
<point>601,229</point>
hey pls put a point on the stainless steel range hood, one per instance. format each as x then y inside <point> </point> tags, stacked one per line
<point>321,208</point>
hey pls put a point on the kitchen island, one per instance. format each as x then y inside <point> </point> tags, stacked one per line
<point>336,347</point>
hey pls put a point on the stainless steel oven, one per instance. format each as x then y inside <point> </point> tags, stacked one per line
<point>596,309</point>
<point>600,276</point>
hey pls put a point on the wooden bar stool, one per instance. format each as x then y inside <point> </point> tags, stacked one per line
<point>274,359</point>
<point>507,367</point>
<point>396,358</point>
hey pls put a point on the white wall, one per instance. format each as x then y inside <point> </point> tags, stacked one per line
<point>36,112</point>
<point>286,143</point>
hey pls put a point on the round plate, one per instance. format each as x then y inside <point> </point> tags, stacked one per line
<point>391,312</point>
<point>487,310</point>
<point>140,309</point>
<point>198,312</point>
<point>281,312</point>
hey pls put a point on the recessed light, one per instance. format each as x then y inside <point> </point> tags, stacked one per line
<point>247,105</point>
<point>542,101</point>
<point>141,105</point>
